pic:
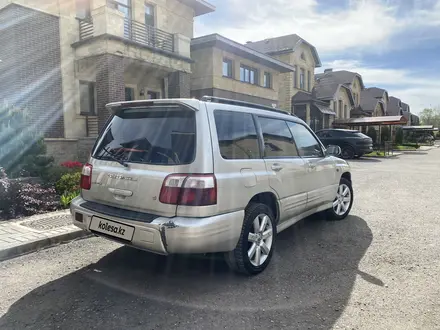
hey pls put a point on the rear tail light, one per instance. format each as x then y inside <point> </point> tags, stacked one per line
<point>189,190</point>
<point>86,177</point>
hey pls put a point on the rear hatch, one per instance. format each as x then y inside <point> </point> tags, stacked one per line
<point>363,140</point>
<point>138,149</point>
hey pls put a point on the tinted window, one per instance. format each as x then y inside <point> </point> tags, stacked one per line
<point>278,141</point>
<point>308,145</point>
<point>237,135</point>
<point>150,136</point>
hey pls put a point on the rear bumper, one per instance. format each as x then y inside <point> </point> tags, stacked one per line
<point>173,235</point>
<point>364,149</point>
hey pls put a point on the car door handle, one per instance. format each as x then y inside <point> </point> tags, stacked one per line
<point>312,166</point>
<point>277,167</point>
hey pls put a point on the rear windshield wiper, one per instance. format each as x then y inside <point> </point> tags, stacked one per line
<point>120,161</point>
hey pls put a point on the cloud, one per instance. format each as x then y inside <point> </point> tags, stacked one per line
<point>418,91</point>
<point>360,25</point>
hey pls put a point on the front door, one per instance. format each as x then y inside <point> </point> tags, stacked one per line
<point>321,170</point>
<point>287,171</point>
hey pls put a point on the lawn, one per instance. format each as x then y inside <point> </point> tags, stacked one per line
<point>405,148</point>
<point>375,154</point>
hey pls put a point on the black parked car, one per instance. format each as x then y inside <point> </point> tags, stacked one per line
<point>353,144</point>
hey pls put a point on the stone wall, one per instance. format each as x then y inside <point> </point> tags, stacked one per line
<point>70,149</point>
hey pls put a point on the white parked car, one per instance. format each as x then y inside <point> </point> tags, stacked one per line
<point>216,175</point>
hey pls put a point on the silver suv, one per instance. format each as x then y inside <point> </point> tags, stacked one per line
<point>210,176</point>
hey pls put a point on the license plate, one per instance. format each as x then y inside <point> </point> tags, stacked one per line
<point>112,228</point>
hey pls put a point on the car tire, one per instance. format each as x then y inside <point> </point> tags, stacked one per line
<point>252,243</point>
<point>348,152</point>
<point>341,205</point>
<point>358,156</point>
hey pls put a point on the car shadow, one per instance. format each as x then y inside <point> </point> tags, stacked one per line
<point>365,160</point>
<point>306,286</point>
<point>415,152</point>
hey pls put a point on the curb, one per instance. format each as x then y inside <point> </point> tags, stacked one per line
<point>41,244</point>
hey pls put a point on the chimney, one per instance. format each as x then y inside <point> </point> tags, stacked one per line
<point>328,70</point>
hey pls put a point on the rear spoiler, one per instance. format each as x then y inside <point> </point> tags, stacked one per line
<point>115,107</point>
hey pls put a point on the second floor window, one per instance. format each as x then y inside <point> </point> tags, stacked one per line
<point>227,68</point>
<point>87,97</point>
<point>248,75</point>
<point>302,79</point>
<point>124,6</point>
<point>267,80</point>
<point>83,9</point>
<point>309,81</point>
<point>149,15</point>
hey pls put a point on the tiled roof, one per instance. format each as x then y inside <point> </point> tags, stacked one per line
<point>282,44</point>
<point>327,87</point>
<point>368,101</point>
<point>375,91</point>
<point>405,107</point>
<point>342,76</point>
<point>394,106</point>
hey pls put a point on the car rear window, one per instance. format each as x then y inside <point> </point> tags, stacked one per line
<point>361,135</point>
<point>155,135</point>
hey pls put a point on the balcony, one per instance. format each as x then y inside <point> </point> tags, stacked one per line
<point>105,21</point>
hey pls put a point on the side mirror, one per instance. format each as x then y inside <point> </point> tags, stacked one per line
<point>333,151</point>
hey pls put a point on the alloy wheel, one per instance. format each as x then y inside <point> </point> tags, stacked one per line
<point>343,199</point>
<point>260,240</point>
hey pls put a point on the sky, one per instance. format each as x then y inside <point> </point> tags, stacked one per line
<point>393,44</point>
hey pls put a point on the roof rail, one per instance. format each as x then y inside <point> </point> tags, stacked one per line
<point>221,100</point>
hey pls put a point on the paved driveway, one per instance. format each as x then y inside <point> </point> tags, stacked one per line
<point>379,269</point>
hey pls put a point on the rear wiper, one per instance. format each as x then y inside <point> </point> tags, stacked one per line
<point>120,161</point>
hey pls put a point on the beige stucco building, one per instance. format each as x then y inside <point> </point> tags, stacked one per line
<point>303,56</point>
<point>96,52</point>
<point>227,69</point>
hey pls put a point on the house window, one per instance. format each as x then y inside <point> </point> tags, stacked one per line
<point>129,94</point>
<point>303,57</point>
<point>124,6</point>
<point>227,68</point>
<point>309,81</point>
<point>87,97</point>
<point>340,113</point>
<point>83,9</point>
<point>248,75</point>
<point>267,80</point>
<point>153,95</point>
<point>335,106</point>
<point>345,111</point>
<point>149,14</point>
<point>295,77</point>
<point>302,79</point>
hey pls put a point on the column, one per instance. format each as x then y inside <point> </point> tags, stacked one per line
<point>308,114</point>
<point>110,85</point>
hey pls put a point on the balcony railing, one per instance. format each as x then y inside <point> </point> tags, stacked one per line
<point>85,28</point>
<point>148,35</point>
<point>134,31</point>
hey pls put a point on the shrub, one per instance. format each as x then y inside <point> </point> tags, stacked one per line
<point>69,183</point>
<point>72,165</point>
<point>399,136</point>
<point>67,198</point>
<point>385,134</point>
<point>19,198</point>
<point>372,134</point>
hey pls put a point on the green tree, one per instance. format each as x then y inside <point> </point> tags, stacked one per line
<point>430,116</point>
<point>372,133</point>
<point>399,136</point>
